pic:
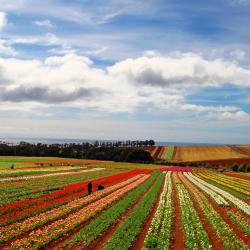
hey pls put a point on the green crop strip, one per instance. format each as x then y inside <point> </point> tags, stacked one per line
<point>160,231</point>
<point>128,231</point>
<point>168,153</point>
<point>196,236</point>
<point>104,221</point>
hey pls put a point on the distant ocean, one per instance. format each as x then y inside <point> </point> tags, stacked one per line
<point>62,141</point>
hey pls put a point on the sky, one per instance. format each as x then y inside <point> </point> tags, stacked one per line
<point>167,70</point>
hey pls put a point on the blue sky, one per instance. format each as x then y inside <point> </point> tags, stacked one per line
<point>167,70</point>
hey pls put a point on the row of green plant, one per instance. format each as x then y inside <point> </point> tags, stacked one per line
<point>42,236</point>
<point>230,190</point>
<point>16,191</point>
<point>168,153</point>
<point>126,234</point>
<point>195,235</point>
<point>240,221</point>
<point>98,226</point>
<point>160,230</point>
<point>226,235</point>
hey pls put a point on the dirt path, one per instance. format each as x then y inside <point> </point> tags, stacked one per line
<point>178,238</point>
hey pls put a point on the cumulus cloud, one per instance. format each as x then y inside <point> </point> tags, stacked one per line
<point>154,82</point>
<point>182,70</point>
<point>45,95</point>
<point>240,116</point>
<point>44,23</point>
<point>3,19</point>
<point>238,54</point>
<point>6,49</point>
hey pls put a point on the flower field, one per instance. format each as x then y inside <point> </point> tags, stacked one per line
<point>171,208</point>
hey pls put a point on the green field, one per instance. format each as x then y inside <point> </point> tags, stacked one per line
<point>168,153</point>
<point>19,162</point>
<point>7,161</point>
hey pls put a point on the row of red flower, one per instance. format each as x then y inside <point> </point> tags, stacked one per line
<point>21,209</point>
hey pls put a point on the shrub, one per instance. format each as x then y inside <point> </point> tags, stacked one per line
<point>235,167</point>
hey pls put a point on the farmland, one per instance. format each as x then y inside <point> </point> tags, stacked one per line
<point>139,208</point>
<point>200,153</point>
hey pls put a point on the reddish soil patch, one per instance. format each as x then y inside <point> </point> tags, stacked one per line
<point>215,241</point>
<point>158,152</point>
<point>238,176</point>
<point>178,237</point>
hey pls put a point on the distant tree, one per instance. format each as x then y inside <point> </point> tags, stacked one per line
<point>248,168</point>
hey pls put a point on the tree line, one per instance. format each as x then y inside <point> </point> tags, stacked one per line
<point>124,151</point>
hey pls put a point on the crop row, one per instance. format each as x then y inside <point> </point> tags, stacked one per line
<point>215,196</point>
<point>23,209</point>
<point>223,231</point>
<point>168,153</point>
<point>228,183</point>
<point>98,226</point>
<point>158,236</point>
<point>46,234</point>
<point>237,202</point>
<point>126,234</point>
<point>195,235</point>
<point>15,229</point>
<point>15,191</point>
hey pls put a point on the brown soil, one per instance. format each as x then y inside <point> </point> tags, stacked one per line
<point>214,239</point>
<point>177,242</point>
<point>158,152</point>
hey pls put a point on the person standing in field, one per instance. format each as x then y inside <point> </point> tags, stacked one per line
<point>90,187</point>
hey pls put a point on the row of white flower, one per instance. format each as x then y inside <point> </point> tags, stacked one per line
<point>160,230</point>
<point>195,234</point>
<point>224,232</point>
<point>48,175</point>
<point>216,197</point>
<point>237,202</point>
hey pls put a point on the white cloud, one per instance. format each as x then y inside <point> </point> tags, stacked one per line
<point>153,83</point>
<point>46,39</point>
<point>184,70</point>
<point>3,19</point>
<point>6,49</point>
<point>240,116</point>
<point>44,23</point>
<point>238,54</point>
